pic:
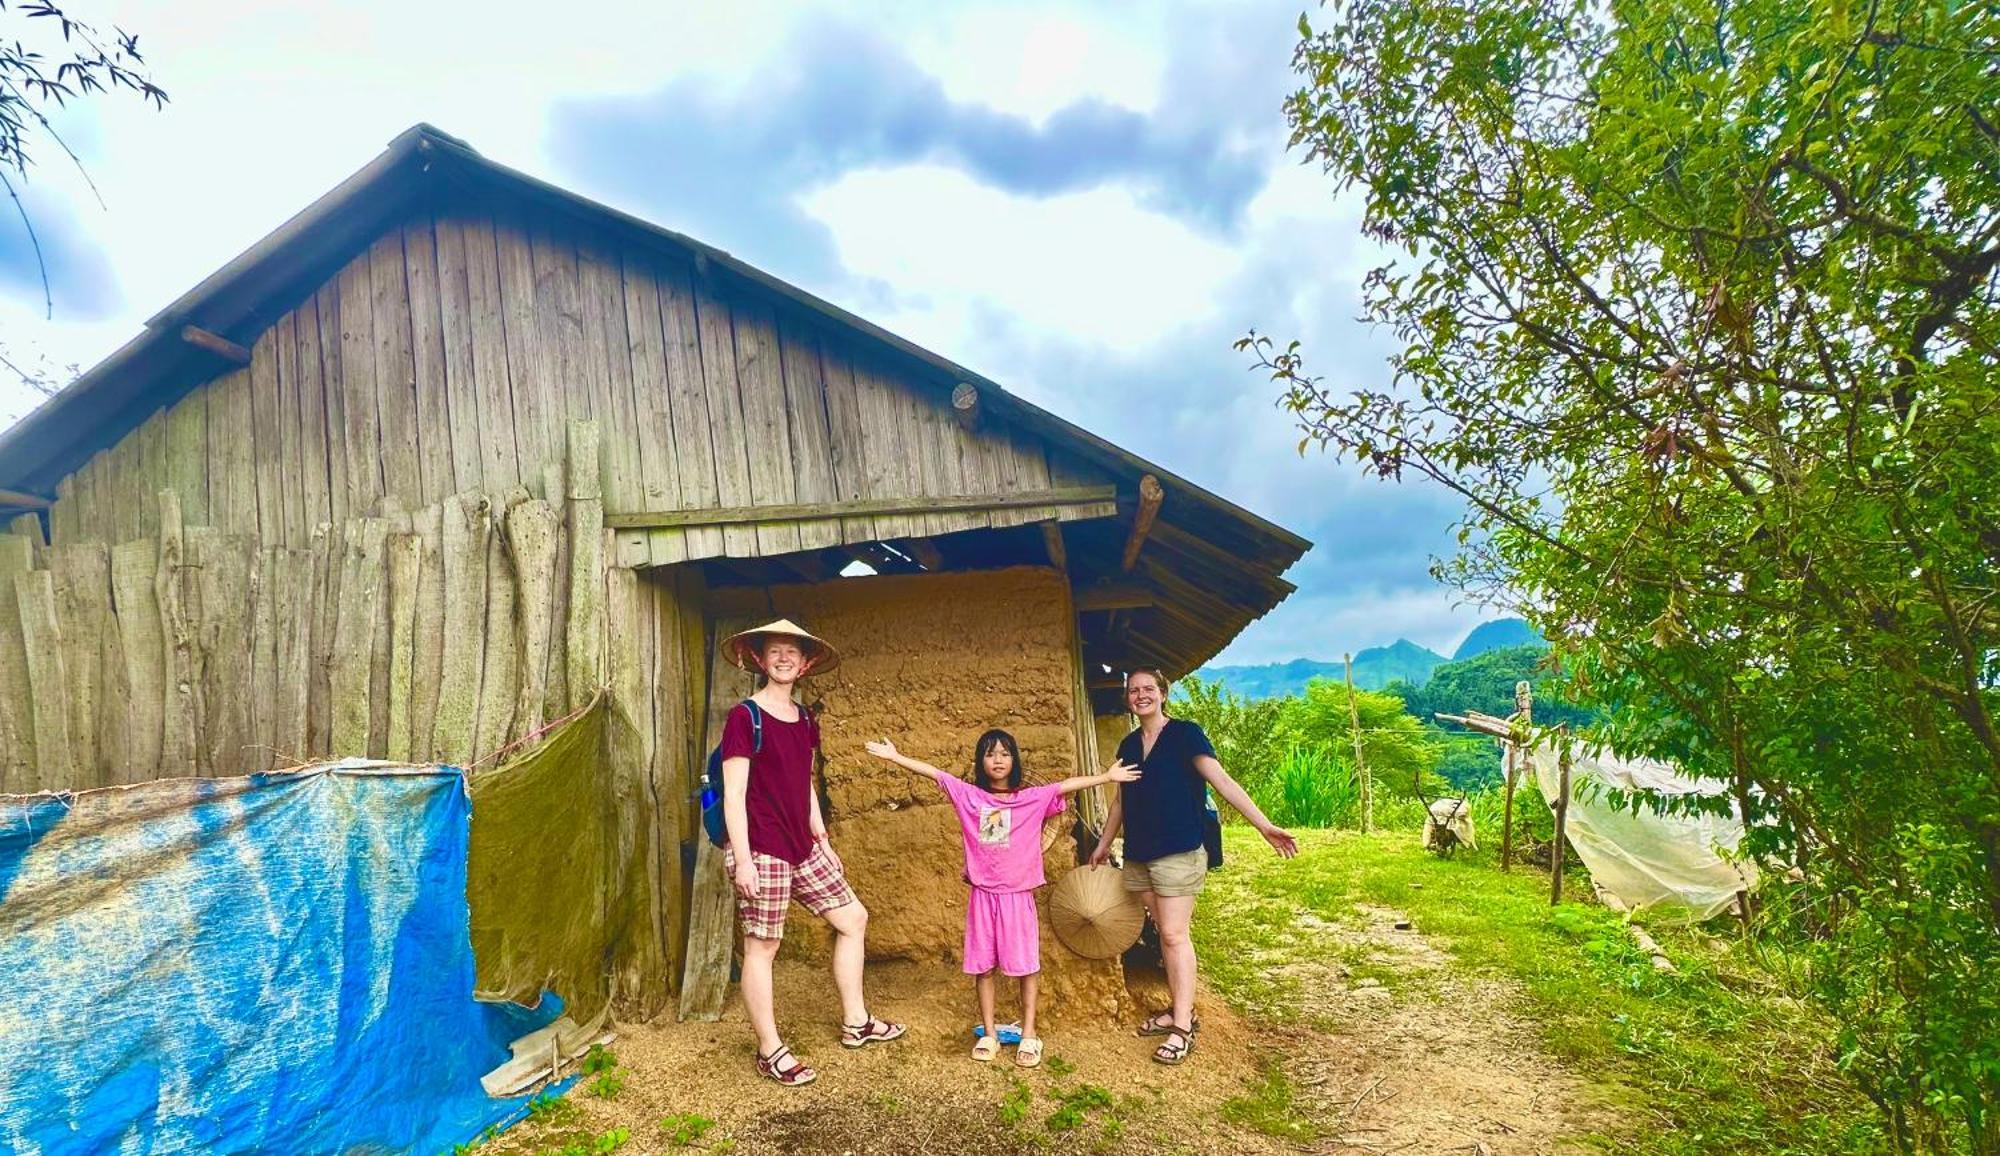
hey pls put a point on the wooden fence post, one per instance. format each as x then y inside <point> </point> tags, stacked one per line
<point>1360,764</point>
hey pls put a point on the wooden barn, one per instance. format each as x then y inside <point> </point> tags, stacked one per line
<point>453,450</point>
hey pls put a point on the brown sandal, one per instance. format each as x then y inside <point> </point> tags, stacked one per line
<point>869,1031</point>
<point>1179,1046</point>
<point>795,1076</point>
<point>1162,1024</point>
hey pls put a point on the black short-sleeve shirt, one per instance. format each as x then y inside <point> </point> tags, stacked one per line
<point>1163,810</point>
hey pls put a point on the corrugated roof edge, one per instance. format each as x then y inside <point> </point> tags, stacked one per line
<point>138,363</point>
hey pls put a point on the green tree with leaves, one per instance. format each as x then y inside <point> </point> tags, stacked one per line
<point>1244,731</point>
<point>1699,313</point>
<point>1396,747</point>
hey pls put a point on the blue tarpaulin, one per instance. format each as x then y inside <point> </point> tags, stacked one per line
<point>277,963</point>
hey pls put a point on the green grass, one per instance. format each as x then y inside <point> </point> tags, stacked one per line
<point>1717,1058</point>
<point>1270,1108</point>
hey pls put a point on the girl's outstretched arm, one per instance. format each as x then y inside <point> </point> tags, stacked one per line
<point>1119,772</point>
<point>887,750</point>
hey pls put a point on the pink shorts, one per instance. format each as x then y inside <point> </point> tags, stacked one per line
<point>1001,930</point>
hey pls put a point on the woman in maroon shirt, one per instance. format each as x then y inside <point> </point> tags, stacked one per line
<point>770,808</point>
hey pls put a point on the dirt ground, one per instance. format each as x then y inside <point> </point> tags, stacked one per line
<point>1443,1067</point>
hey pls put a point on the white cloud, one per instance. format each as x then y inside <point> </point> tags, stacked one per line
<point>1033,61</point>
<point>1095,266</point>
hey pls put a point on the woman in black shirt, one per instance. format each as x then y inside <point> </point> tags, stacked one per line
<point>1165,861</point>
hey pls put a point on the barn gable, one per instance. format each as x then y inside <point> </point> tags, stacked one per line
<point>429,326</point>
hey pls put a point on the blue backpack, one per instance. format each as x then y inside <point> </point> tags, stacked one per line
<point>712,820</point>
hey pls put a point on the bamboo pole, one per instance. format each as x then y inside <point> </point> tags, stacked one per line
<point>1562,816</point>
<point>1360,765</point>
<point>1524,710</point>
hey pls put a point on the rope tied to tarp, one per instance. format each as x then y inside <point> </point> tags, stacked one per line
<point>538,732</point>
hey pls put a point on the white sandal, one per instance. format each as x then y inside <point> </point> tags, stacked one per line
<point>1029,1053</point>
<point>985,1049</point>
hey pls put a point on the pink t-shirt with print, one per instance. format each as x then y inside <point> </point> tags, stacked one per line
<point>1003,833</point>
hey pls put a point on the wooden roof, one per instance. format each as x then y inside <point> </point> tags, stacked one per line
<point>1215,566</point>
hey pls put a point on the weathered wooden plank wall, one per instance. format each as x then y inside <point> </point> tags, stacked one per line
<point>197,649</point>
<point>450,356</point>
<point>200,651</point>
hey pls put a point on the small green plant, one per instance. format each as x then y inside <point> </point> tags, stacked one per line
<point>685,1128</point>
<point>550,1108</point>
<point>887,1104</point>
<point>1015,1104</point>
<point>1074,1107</point>
<point>1060,1066</point>
<point>607,1085</point>
<point>598,1059</point>
<point>601,1144</point>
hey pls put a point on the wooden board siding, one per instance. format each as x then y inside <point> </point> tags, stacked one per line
<point>450,356</point>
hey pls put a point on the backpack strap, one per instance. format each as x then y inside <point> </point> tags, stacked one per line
<point>756,726</point>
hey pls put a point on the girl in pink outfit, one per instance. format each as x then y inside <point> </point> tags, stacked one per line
<point>1002,824</point>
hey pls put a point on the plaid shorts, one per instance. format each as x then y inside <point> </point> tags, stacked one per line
<point>817,884</point>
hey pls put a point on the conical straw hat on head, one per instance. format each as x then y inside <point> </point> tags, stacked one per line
<point>1093,914</point>
<point>744,646</point>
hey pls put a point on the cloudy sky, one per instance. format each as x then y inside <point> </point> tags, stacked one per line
<point>1085,204</point>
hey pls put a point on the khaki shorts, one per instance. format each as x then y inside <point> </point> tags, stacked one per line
<point>1170,875</point>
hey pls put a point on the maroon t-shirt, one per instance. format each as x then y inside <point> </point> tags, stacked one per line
<point>779,799</point>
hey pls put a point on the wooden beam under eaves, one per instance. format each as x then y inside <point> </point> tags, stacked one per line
<point>215,343</point>
<point>862,508</point>
<point>1151,494</point>
<point>1114,596</point>
<point>924,551</point>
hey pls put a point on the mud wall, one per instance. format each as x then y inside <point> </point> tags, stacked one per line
<point>931,661</point>
<point>1111,730</point>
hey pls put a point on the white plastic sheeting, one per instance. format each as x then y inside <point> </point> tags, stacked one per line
<point>1673,864</point>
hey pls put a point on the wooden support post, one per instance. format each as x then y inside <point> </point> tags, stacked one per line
<point>584,512</point>
<point>965,405</point>
<point>1052,538</point>
<point>1516,756</point>
<point>712,908</point>
<point>1151,494</point>
<point>215,343</point>
<point>1562,815</point>
<point>1360,764</point>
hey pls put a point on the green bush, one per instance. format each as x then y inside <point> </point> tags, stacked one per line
<point>1313,789</point>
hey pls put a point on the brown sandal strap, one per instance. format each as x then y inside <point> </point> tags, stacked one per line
<point>1171,1053</point>
<point>798,1073</point>
<point>871,1029</point>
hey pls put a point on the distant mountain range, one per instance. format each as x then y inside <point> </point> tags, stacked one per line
<point>1496,634</point>
<point>1374,668</point>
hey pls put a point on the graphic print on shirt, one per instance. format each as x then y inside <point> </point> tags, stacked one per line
<point>996,824</point>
